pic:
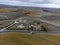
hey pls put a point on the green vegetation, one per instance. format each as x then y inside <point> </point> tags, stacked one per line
<point>16,29</point>
<point>20,11</point>
<point>27,39</point>
<point>7,10</point>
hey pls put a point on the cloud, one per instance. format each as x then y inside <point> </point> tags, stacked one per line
<point>50,5</point>
<point>41,1</point>
<point>17,3</point>
<point>36,0</point>
<point>46,3</point>
<point>33,1</point>
<point>54,1</point>
<point>23,0</point>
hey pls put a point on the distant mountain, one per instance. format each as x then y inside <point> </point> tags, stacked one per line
<point>6,6</point>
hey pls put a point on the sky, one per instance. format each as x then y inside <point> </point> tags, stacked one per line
<point>33,3</point>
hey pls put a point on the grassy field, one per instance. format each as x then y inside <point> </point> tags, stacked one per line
<point>28,39</point>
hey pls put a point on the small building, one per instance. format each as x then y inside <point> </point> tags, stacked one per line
<point>21,26</point>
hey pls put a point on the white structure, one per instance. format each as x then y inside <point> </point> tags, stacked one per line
<point>21,26</point>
